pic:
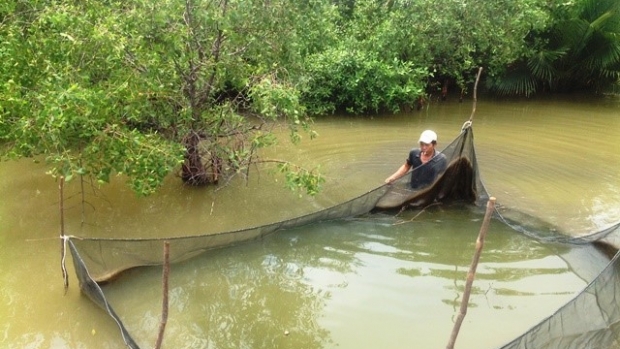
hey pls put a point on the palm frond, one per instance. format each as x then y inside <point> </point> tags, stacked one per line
<point>518,81</point>
<point>542,64</point>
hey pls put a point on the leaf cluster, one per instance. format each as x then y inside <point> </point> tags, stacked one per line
<point>360,82</point>
<point>580,50</point>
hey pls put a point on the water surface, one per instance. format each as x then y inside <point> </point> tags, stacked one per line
<point>368,282</point>
<point>350,283</point>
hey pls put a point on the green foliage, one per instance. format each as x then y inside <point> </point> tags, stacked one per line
<point>390,52</point>
<point>360,82</point>
<point>581,50</point>
<point>300,179</point>
<point>277,101</point>
<point>450,39</point>
<point>68,100</point>
<point>118,87</point>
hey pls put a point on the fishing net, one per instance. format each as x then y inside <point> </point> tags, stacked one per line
<point>591,320</point>
<point>454,177</point>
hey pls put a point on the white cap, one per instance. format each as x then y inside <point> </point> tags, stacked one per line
<point>428,137</point>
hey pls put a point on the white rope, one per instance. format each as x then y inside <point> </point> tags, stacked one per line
<point>466,125</point>
<point>63,260</point>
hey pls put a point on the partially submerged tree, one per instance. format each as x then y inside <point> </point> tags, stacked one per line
<point>143,88</point>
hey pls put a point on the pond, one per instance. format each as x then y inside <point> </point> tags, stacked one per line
<point>367,281</point>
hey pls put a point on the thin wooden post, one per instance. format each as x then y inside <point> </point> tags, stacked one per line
<point>472,272</point>
<point>83,198</point>
<point>473,110</point>
<point>164,306</point>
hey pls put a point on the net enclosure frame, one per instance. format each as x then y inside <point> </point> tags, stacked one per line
<point>590,320</point>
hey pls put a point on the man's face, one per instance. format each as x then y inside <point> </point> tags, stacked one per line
<point>426,148</point>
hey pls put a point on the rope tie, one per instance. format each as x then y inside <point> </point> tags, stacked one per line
<point>63,258</point>
<point>466,125</point>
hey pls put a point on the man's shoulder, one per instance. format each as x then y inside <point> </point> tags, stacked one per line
<point>415,152</point>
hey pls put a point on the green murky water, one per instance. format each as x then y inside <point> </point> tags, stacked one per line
<point>364,282</point>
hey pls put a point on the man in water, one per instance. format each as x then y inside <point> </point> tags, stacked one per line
<point>427,162</point>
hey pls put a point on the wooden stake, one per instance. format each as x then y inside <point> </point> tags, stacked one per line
<point>164,306</point>
<point>471,117</point>
<point>472,271</point>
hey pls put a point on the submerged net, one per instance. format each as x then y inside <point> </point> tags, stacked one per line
<point>589,321</point>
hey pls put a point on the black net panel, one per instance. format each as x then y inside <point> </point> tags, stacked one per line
<point>589,321</point>
<point>106,258</point>
<point>92,290</point>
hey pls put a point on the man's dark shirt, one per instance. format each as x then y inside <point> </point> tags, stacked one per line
<point>425,174</point>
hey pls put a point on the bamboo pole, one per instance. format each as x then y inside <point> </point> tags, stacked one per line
<point>83,198</point>
<point>473,111</point>
<point>164,306</point>
<point>61,197</point>
<point>472,272</point>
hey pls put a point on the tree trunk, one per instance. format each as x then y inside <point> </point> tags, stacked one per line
<point>193,171</point>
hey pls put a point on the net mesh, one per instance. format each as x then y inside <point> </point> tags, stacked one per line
<point>590,320</point>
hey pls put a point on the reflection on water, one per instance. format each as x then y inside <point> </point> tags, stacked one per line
<point>350,283</point>
<point>365,282</point>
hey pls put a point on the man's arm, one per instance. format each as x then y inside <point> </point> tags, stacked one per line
<point>399,173</point>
